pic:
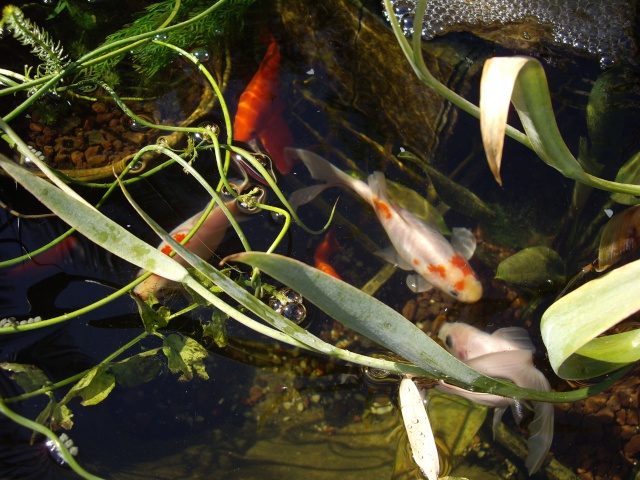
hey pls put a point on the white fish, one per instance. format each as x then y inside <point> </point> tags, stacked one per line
<point>203,244</point>
<point>507,354</point>
<point>417,246</point>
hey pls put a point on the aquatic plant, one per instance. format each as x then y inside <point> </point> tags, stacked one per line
<point>242,300</point>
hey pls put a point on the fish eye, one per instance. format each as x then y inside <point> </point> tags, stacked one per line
<point>448,341</point>
<point>453,293</point>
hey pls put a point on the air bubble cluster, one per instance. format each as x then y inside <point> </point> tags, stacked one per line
<point>12,321</point>
<point>598,28</point>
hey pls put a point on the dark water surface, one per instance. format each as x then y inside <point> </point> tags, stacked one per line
<point>272,412</point>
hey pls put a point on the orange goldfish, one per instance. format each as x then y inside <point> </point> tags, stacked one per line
<point>260,110</point>
<point>327,247</point>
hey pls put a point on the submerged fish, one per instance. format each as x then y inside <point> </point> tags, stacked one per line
<point>507,353</point>
<point>327,247</point>
<point>416,245</point>
<point>259,112</point>
<point>203,244</point>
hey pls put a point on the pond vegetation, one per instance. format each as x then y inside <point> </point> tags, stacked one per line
<point>93,131</point>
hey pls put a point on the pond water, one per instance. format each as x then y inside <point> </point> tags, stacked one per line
<point>268,410</point>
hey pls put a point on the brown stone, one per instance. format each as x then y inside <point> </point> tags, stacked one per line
<point>595,403</point>
<point>136,138</point>
<point>632,416</point>
<point>627,432</point>
<point>77,158</point>
<point>409,310</point>
<point>99,107</point>
<point>605,415</point>
<point>97,160</point>
<point>103,118</point>
<point>35,127</point>
<point>632,448</point>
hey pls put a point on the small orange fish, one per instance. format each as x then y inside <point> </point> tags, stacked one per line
<point>327,247</point>
<point>260,110</point>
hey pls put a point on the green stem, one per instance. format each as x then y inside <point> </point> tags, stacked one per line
<point>64,452</point>
<point>417,63</point>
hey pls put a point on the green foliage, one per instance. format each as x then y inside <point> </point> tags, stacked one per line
<point>534,268</point>
<point>26,32</point>
<point>210,32</point>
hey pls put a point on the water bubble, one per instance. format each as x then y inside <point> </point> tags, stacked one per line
<point>294,312</point>
<point>607,61</point>
<point>278,218</point>
<point>138,124</point>
<point>162,37</point>
<point>204,137</point>
<point>201,54</point>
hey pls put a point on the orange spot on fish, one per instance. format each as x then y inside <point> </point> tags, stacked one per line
<point>461,263</point>
<point>459,286</point>
<point>327,247</point>
<point>382,208</point>
<point>416,261</point>
<point>438,270</point>
<point>178,237</point>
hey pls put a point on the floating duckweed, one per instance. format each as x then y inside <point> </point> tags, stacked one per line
<point>601,28</point>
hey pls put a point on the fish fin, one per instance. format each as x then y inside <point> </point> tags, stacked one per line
<point>497,418</point>
<point>463,242</point>
<point>417,283</point>
<point>486,399</point>
<point>540,435</point>
<point>513,365</point>
<point>391,255</point>
<point>319,168</point>
<point>304,195</point>
<point>516,335</point>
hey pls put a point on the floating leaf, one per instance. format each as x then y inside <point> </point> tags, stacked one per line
<point>152,319</point>
<point>534,268</point>
<point>621,236</point>
<point>185,355</point>
<point>628,173</point>
<point>216,329</point>
<point>29,377</point>
<point>94,387</point>
<point>570,326</point>
<point>136,370</point>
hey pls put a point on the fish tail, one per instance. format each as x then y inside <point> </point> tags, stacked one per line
<point>541,427</point>
<point>319,168</point>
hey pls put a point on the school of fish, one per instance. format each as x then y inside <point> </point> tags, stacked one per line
<point>507,353</point>
<point>416,245</point>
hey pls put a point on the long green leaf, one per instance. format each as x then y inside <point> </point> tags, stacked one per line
<point>522,79</point>
<point>375,320</point>
<point>95,226</point>
<point>570,326</point>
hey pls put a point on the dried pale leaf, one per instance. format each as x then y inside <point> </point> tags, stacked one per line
<point>498,78</point>
<point>416,422</point>
<point>621,236</point>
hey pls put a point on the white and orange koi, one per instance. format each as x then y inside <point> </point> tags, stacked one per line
<point>507,353</point>
<point>416,245</point>
<point>203,244</point>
